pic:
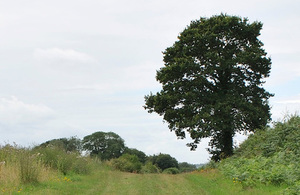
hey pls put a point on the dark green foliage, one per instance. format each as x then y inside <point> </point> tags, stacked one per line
<point>270,156</point>
<point>186,167</point>
<point>171,170</point>
<point>71,144</point>
<point>212,82</point>
<point>163,161</point>
<point>128,163</point>
<point>141,155</point>
<point>104,145</point>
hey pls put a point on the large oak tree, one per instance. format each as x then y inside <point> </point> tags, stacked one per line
<point>212,82</point>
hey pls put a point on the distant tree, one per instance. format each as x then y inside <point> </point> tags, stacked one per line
<point>68,144</point>
<point>104,145</point>
<point>212,82</point>
<point>186,167</point>
<point>141,155</point>
<point>163,161</point>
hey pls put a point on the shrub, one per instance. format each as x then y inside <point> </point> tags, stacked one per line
<point>163,161</point>
<point>150,168</point>
<point>128,163</point>
<point>171,170</point>
<point>81,166</point>
<point>65,162</point>
<point>185,167</point>
<point>57,158</point>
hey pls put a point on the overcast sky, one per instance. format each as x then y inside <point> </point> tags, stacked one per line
<point>74,67</point>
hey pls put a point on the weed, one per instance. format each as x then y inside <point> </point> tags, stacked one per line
<point>29,167</point>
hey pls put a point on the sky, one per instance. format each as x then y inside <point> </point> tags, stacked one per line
<point>74,67</point>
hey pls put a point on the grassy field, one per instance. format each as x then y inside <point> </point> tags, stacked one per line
<point>266,163</point>
<point>107,181</point>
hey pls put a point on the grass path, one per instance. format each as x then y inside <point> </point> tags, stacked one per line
<point>108,182</point>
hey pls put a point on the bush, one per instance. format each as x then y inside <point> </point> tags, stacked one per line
<point>58,159</point>
<point>150,168</point>
<point>127,163</point>
<point>171,170</point>
<point>65,162</point>
<point>163,161</point>
<point>81,166</point>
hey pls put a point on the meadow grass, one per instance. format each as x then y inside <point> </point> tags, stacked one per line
<point>104,180</point>
<point>50,171</point>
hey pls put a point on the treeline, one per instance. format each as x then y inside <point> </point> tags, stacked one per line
<point>111,148</point>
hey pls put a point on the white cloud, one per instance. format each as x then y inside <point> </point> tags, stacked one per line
<point>15,112</point>
<point>285,106</point>
<point>128,78</point>
<point>62,55</point>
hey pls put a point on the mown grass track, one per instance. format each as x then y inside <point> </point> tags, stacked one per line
<point>109,182</point>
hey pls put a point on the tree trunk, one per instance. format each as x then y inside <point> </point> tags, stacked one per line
<point>227,144</point>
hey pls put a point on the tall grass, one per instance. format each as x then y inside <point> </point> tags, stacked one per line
<point>30,167</point>
<point>21,166</point>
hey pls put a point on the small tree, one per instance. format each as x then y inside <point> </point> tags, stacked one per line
<point>212,82</point>
<point>164,161</point>
<point>104,145</point>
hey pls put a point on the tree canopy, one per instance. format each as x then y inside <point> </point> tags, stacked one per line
<point>163,161</point>
<point>104,145</point>
<point>71,144</point>
<point>212,82</point>
<point>140,154</point>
